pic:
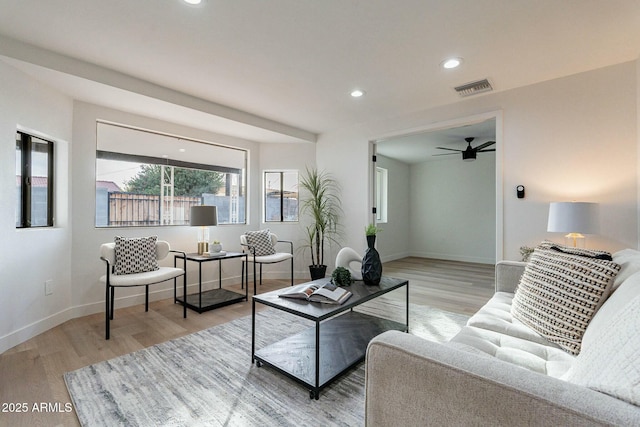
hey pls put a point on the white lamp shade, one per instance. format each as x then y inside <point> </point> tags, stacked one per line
<point>203,215</point>
<point>573,217</point>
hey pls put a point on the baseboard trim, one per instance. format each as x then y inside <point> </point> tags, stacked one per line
<point>453,257</point>
<point>156,293</point>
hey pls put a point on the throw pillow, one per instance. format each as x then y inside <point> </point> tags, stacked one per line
<point>591,253</point>
<point>559,293</point>
<point>135,254</point>
<point>609,363</point>
<point>260,242</point>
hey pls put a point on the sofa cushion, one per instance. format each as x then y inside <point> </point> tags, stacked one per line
<point>560,292</point>
<point>608,361</point>
<point>135,255</point>
<point>496,316</point>
<point>629,260</point>
<point>548,359</point>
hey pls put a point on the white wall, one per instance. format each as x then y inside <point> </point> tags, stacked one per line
<point>395,236</point>
<point>288,157</point>
<point>573,138</point>
<point>29,257</point>
<point>453,206</point>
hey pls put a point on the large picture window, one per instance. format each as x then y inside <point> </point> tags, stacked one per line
<point>281,196</point>
<point>145,178</point>
<point>34,181</point>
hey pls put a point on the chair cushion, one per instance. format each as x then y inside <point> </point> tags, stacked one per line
<point>269,259</point>
<point>146,278</point>
<point>135,254</point>
<point>260,241</point>
<point>560,292</point>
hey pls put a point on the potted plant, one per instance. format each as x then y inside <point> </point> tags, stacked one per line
<point>371,264</point>
<point>322,205</point>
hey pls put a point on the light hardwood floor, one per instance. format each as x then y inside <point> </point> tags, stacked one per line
<point>32,372</point>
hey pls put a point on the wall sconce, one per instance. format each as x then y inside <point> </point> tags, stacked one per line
<point>574,218</point>
<point>204,217</point>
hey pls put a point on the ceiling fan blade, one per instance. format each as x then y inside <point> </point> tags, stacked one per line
<point>486,144</point>
<point>451,149</point>
<point>444,154</point>
<point>484,151</point>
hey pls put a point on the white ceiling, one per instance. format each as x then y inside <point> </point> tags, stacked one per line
<point>421,147</point>
<point>282,70</point>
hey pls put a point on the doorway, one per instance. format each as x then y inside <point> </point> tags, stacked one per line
<point>440,203</point>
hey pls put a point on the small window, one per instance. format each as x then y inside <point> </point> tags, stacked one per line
<point>34,181</point>
<point>281,196</point>
<point>381,194</point>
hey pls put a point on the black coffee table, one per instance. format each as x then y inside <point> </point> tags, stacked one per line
<point>337,342</point>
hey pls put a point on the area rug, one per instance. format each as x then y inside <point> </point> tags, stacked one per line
<point>207,379</point>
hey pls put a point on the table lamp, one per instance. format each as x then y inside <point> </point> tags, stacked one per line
<point>204,217</point>
<point>573,218</point>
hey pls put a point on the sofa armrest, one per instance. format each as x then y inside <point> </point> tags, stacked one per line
<point>411,381</point>
<point>508,275</point>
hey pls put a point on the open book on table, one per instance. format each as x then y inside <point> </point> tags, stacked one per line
<point>327,293</point>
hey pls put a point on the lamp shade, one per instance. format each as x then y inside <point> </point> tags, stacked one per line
<point>573,217</point>
<point>203,215</point>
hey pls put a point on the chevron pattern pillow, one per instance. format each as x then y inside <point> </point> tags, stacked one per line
<point>560,292</point>
<point>261,242</point>
<point>135,254</point>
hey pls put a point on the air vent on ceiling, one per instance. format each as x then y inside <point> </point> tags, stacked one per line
<point>474,88</point>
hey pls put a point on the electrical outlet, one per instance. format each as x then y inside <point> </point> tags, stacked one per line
<point>48,287</point>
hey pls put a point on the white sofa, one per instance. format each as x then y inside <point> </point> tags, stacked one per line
<point>498,371</point>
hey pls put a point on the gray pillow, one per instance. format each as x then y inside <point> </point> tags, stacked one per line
<point>260,241</point>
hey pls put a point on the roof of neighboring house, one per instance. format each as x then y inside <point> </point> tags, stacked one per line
<point>109,185</point>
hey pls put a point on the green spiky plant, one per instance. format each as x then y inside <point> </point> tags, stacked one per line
<point>372,230</point>
<point>320,201</point>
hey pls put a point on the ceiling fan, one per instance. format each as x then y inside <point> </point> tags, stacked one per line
<point>469,154</point>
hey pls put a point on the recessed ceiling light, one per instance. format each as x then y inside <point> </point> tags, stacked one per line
<point>451,63</point>
<point>357,93</point>
<point>165,156</point>
<point>193,1</point>
<point>182,150</point>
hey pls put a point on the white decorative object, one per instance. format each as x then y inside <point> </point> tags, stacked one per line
<point>215,248</point>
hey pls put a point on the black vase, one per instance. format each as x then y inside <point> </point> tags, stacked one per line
<point>371,265</point>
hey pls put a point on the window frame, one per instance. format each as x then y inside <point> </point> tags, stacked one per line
<point>382,194</point>
<point>282,219</point>
<point>24,144</point>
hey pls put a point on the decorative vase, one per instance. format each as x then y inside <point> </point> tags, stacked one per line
<point>215,248</point>
<point>317,271</point>
<point>371,264</point>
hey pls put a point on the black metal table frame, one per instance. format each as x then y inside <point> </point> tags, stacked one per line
<point>314,392</point>
<point>207,258</point>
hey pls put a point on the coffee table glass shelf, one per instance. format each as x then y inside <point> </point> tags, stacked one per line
<point>338,341</point>
<point>218,297</point>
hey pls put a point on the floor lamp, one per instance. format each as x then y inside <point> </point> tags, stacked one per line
<point>574,218</point>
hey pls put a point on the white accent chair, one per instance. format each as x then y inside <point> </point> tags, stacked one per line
<point>111,281</point>
<point>346,258</point>
<point>266,259</point>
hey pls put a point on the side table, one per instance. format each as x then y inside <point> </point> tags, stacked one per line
<point>208,300</point>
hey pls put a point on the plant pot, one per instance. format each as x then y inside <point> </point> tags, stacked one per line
<point>214,248</point>
<point>317,271</point>
<point>371,264</point>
